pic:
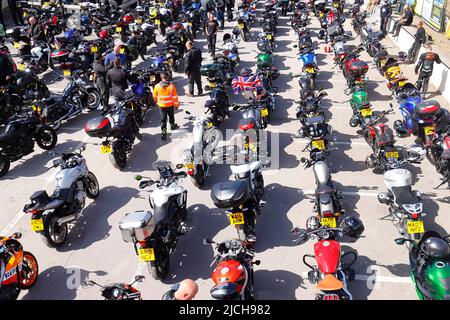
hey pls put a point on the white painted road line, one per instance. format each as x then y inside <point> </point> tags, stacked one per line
<point>377,279</point>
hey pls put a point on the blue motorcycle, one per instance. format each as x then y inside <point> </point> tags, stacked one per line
<point>309,60</point>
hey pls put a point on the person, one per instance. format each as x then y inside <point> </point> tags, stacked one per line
<point>230,6</point>
<point>185,290</point>
<point>36,31</point>
<point>192,64</point>
<point>405,20</point>
<point>7,66</point>
<point>100,71</point>
<point>419,39</point>
<point>166,98</point>
<point>385,14</point>
<point>116,79</point>
<point>16,12</point>
<point>211,28</point>
<point>424,68</point>
<point>110,57</point>
<point>220,7</point>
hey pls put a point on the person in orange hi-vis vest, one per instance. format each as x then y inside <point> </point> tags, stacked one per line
<point>166,98</point>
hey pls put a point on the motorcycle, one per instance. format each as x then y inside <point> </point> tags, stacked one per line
<point>243,28</point>
<point>429,264</point>
<point>355,70</point>
<point>233,272</point>
<point>405,204</point>
<point>19,269</point>
<point>18,138</point>
<point>155,234</point>
<point>50,215</point>
<point>119,129</point>
<point>331,275</point>
<point>439,156</point>
<point>118,291</point>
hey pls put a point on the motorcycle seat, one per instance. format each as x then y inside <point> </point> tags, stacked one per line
<point>225,291</point>
<point>7,135</point>
<point>324,189</point>
<point>403,195</point>
<point>330,283</point>
<point>325,198</point>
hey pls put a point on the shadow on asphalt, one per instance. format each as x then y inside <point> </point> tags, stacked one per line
<point>276,284</point>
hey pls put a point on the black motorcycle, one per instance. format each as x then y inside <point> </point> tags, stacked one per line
<point>19,136</point>
<point>118,291</point>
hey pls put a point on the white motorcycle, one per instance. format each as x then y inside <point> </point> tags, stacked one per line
<point>51,214</point>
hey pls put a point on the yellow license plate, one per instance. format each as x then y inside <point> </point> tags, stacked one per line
<point>241,26</point>
<point>391,154</point>
<point>37,225</point>
<point>16,45</point>
<point>236,218</point>
<point>310,70</point>
<point>158,22</point>
<point>147,254</point>
<point>209,125</point>
<point>366,112</point>
<point>328,222</point>
<point>139,20</point>
<point>94,49</point>
<point>118,29</point>
<point>67,72</point>
<point>336,5</point>
<point>428,130</point>
<point>318,144</point>
<point>190,165</point>
<point>264,112</point>
<point>21,66</point>
<point>321,14</point>
<point>106,149</point>
<point>415,227</point>
<point>401,83</point>
<point>269,37</point>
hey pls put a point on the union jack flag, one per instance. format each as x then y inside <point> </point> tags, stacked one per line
<point>245,83</point>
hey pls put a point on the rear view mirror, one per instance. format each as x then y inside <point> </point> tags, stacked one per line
<point>296,231</point>
<point>303,160</point>
<point>400,241</point>
<point>16,235</point>
<point>187,112</point>
<point>138,178</point>
<point>139,278</point>
<point>88,283</point>
<point>179,166</point>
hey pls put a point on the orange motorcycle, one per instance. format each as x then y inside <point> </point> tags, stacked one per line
<point>18,268</point>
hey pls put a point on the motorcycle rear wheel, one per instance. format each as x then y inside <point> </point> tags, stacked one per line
<point>159,268</point>
<point>53,235</point>
<point>118,159</point>
<point>93,99</point>
<point>5,163</point>
<point>30,271</point>
<point>93,188</point>
<point>46,138</point>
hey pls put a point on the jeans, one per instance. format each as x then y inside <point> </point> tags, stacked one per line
<point>383,25</point>
<point>221,18</point>
<point>397,26</point>
<point>195,78</point>
<point>422,82</point>
<point>104,92</point>
<point>167,112</point>
<point>212,44</point>
<point>413,52</point>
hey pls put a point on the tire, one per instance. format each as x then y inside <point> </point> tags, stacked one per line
<point>5,163</point>
<point>44,92</point>
<point>118,158</point>
<point>94,99</point>
<point>430,157</point>
<point>93,188</point>
<point>157,270</point>
<point>244,36</point>
<point>46,138</point>
<point>48,233</point>
<point>55,126</point>
<point>30,268</point>
<point>199,179</point>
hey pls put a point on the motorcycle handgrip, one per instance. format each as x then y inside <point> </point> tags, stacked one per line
<point>181,174</point>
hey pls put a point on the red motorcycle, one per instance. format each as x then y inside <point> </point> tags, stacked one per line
<point>355,70</point>
<point>331,275</point>
<point>233,274</point>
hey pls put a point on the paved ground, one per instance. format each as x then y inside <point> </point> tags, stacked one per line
<point>95,248</point>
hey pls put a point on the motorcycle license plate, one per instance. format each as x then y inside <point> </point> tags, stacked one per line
<point>392,154</point>
<point>269,37</point>
<point>190,165</point>
<point>158,22</point>
<point>241,26</point>
<point>147,254</point>
<point>401,83</point>
<point>21,66</point>
<point>428,130</point>
<point>318,144</point>
<point>310,70</point>
<point>106,149</point>
<point>122,50</point>
<point>328,222</point>
<point>94,49</point>
<point>118,29</point>
<point>264,112</point>
<point>25,14</point>
<point>415,227</point>
<point>321,14</point>
<point>212,85</point>
<point>16,45</point>
<point>139,20</point>
<point>67,73</point>
<point>366,112</point>
<point>336,5</point>
<point>236,218</point>
<point>37,225</point>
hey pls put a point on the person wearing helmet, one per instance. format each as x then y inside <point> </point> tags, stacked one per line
<point>185,290</point>
<point>211,28</point>
<point>166,98</point>
<point>192,64</point>
<point>100,71</point>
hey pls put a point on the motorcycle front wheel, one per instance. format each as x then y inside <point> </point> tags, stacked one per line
<point>46,138</point>
<point>160,267</point>
<point>4,164</point>
<point>199,179</point>
<point>53,235</point>
<point>30,271</point>
<point>92,188</point>
<point>93,100</point>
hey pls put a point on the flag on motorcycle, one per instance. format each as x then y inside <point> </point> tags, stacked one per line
<point>241,84</point>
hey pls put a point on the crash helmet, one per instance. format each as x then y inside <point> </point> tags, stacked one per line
<point>312,223</point>
<point>352,226</point>
<point>103,34</point>
<point>236,31</point>
<point>436,247</point>
<point>128,18</point>
<point>210,104</point>
<point>245,72</point>
<point>153,13</point>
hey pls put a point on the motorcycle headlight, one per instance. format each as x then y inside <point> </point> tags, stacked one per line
<point>413,208</point>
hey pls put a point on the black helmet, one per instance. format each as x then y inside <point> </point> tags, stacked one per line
<point>436,247</point>
<point>352,226</point>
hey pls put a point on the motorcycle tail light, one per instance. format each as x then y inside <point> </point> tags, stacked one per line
<point>414,215</point>
<point>331,296</point>
<point>388,85</point>
<point>142,244</point>
<point>328,214</point>
<point>34,211</point>
<point>190,172</point>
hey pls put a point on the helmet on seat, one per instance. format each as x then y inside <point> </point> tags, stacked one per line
<point>352,226</point>
<point>436,247</point>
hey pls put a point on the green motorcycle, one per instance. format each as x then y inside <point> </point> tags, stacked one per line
<point>358,99</point>
<point>264,60</point>
<point>430,265</point>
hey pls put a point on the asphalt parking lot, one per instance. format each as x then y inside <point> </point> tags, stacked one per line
<point>95,248</point>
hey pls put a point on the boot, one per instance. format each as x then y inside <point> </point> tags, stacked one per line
<point>164,134</point>
<point>173,126</point>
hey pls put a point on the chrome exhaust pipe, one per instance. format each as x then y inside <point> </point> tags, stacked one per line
<point>66,219</point>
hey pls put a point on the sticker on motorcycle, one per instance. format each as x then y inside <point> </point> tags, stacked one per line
<point>415,227</point>
<point>236,218</point>
<point>106,149</point>
<point>37,225</point>
<point>328,222</point>
<point>391,154</point>
<point>428,130</point>
<point>366,112</point>
<point>318,144</point>
<point>147,254</point>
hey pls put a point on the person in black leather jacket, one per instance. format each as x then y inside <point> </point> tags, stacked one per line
<point>116,78</point>
<point>192,64</point>
<point>424,68</point>
<point>419,39</point>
